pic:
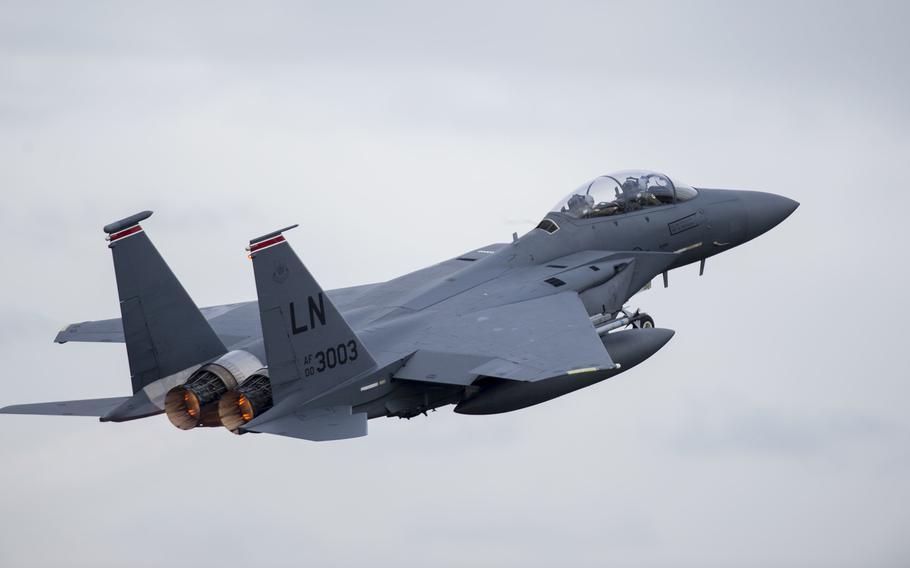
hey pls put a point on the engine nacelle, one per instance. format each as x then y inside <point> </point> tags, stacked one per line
<point>240,405</point>
<point>195,402</point>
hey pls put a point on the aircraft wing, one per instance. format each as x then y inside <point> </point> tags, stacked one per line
<point>111,330</point>
<point>525,341</point>
<point>233,323</point>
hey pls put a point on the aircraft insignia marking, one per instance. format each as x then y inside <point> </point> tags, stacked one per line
<point>316,309</point>
<point>125,233</point>
<point>280,273</point>
<point>256,247</point>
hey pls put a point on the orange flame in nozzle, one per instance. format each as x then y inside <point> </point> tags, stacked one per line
<point>191,408</point>
<point>182,408</point>
<point>246,409</point>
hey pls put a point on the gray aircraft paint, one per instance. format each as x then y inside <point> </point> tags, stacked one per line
<point>496,329</point>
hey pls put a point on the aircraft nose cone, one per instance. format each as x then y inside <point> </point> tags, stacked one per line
<point>766,210</point>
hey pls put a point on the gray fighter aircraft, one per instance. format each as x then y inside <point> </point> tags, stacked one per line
<point>499,328</point>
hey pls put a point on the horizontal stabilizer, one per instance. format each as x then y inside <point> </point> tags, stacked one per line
<point>87,407</point>
<point>140,405</point>
<point>317,425</point>
<point>101,331</point>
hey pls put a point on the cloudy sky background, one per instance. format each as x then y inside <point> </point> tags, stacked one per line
<point>771,431</point>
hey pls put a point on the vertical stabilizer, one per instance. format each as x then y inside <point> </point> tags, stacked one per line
<point>308,343</point>
<point>164,330</point>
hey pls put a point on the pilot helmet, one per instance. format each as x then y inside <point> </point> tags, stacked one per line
<point>630,185</point>
<point>580,202</point>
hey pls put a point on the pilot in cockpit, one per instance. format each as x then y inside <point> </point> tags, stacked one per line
<point>622,192</point>
<point>580,205</point>
<point>630,187</point>
<point>648,199</point>
<point>637,195</point>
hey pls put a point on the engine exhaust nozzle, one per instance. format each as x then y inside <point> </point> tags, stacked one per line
<point>239,406</point>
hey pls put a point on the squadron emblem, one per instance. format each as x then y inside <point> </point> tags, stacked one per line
<point>280,273</point>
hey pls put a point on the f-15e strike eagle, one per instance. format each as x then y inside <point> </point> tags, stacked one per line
<point>499,328</point>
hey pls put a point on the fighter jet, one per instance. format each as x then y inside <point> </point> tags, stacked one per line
<point>496,329</point>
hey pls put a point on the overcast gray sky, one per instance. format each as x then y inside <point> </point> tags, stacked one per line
<point>771,431</point>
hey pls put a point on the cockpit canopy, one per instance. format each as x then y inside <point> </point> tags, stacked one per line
<point>622,192</point>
